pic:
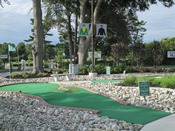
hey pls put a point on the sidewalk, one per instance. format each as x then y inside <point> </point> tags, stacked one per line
<point>164,124</point>
<point>4,74</point>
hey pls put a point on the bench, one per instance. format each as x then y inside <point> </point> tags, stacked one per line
<point>56,77</point>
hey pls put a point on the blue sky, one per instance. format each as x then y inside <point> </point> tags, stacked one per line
<point>15,22</point>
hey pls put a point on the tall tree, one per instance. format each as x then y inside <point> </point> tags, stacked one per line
<point>130,5</point>
<point>138,50</point>
<point>157,49</point>
<point>61,12</point>
<point>118,52</point>
<point>118,6</point>
<point>37,48</point>
<point>85,42</point>
<point>136,31</point>
<point>21,50</point>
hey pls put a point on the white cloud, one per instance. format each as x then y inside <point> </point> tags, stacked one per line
<point>21,7</point>
<point>160,22</point>
<point>15,21</point>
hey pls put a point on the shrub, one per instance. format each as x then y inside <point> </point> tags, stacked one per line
<point>59,71</point>
<point>132,80</point>
<point>24,74</point>
<point>13,75</point>
<point>83,70</point>
<point>154,81</point>
<point>117,69</point>
<point>168,82</point>
<point>1,64</point>
<point>41,74</point>
<point>130,69</point>
<point>20,75</point>
<point>100,69</point>
<point>45,64</point>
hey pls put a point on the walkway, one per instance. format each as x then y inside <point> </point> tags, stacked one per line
<point>164,124</point>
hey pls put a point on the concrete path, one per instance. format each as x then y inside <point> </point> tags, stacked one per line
<point>4,74</point>
<point>164,124</point>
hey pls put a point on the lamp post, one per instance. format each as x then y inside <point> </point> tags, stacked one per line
<point>92,24</point>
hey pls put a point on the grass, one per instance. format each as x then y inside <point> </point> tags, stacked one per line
<point>81,98</point>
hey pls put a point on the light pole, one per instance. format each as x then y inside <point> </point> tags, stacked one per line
<point>92,24</point>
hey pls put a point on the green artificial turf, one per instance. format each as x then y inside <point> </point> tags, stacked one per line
<point>77,97</point>
<point>105,81</point>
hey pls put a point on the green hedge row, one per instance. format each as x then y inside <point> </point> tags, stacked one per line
<point>100,69</point>
<point>166,81</point>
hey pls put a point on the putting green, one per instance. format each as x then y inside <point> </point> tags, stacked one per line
<point>77,97</point>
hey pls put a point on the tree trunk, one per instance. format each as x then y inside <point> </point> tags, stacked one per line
<point>34,59</point>
<point>38,36</point>
<point>82,51</point>
<point>85,42</point>
<point>75,42</point>
<point>70,37</point>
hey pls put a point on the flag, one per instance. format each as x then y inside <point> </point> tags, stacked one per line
<point>11,48</point>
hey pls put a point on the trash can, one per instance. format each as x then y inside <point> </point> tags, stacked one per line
<point>108,70</point>
<point>73,69</point>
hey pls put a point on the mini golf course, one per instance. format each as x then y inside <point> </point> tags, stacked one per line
<point>80,98</point>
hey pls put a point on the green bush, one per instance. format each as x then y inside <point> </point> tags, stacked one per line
<point>46,64</point>
<point>41,74</point>
<point>13,75</point>
<point>168,82</point>
<point>154,81</point>
<point>83,70</point>
<point>20,75</point>
<point>24,74</point>
<point>131,80</point>
<point>55,71</point>
<point>100,69</point>
<point>1,64</point>
<point>130,69</point>
<point>117,69</point>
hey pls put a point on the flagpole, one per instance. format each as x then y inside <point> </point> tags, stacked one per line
<point>9,65</point>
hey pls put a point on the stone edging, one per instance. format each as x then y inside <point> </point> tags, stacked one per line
<point>44,103</point>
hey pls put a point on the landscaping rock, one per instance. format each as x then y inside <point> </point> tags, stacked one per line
<point>19,112</point>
